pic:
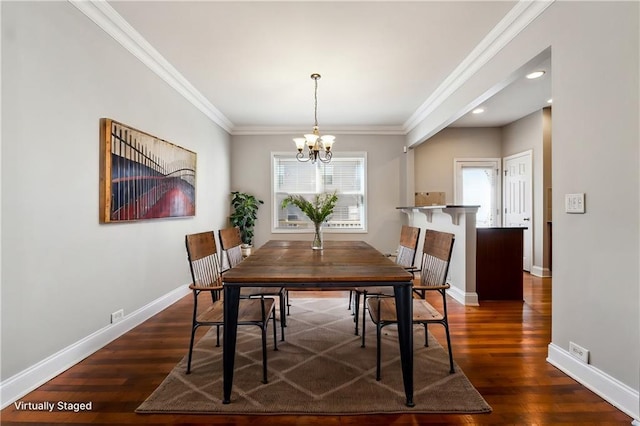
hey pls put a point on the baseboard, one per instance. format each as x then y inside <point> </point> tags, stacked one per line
<point>539,271</point>
<point>27,380</point>
<point>466,298</point>
<point>610,389</point>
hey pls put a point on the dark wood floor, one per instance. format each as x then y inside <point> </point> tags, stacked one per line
<point>501,346</point>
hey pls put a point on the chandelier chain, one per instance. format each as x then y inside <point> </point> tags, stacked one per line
<point>315,103</point>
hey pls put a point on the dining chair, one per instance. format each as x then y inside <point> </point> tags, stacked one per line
<point>231,247</point>
<point>405,256</point>
<point>436,257</point>
<point>207,278</point>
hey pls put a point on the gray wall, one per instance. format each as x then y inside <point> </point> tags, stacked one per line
<point>63,273</point>
<point>434,158</point>
<point>250,171</point>
<point>595,55</point>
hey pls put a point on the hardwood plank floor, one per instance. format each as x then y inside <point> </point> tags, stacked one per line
<point>501,346</point>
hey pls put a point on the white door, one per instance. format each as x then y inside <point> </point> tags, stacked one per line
<point>476,183</point>
<point>518,200</point>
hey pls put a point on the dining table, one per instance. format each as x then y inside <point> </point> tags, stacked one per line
<point>339,265</point>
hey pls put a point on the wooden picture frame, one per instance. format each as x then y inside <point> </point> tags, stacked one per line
<point>142,176</point>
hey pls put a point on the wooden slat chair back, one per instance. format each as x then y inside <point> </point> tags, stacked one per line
<point>405,257</point>
<point>204,264</point>
<point>409,236</point>
<point>436,257</point>
<point>231,245</point>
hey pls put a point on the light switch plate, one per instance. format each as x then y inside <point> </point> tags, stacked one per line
<point>574,203</point>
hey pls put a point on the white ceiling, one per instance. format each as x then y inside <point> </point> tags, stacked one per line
<point>379,61</point>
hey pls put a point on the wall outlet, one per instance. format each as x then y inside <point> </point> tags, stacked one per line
<point>117,316</point>
<point>579,352</point>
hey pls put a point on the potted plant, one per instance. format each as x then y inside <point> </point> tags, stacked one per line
<point>244,215</point>
<point>317,211</point>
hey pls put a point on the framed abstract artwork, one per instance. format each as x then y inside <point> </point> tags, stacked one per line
<point>142,176</point>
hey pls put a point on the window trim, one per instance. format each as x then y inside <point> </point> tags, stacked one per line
<point>325,229</point>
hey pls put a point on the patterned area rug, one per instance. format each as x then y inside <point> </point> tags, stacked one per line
<point>319,369</point>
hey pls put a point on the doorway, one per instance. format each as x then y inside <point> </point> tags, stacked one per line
<point>476,183</point>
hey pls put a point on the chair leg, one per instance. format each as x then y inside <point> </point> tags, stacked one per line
<point>445,323</point>
<point>426,335</point>
<point>264,352</point>
<point>193,335</point>
<point>275,338</point>
<point>356,306</point>
<point>288,304</point>
<point>350,299</point>
<point>378,349</point>
<point>364,318</point>
<point>446,329</point>
<point>194,326</point>
<point>283,316</point>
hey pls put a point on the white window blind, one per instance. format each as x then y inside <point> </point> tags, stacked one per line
<point>345,174</point>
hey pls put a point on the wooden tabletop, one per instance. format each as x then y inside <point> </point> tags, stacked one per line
<point>295,263</point>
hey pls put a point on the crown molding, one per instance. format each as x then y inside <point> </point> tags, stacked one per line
<point>103,15</point>
<point>518,18</point>
<point>351,130</point>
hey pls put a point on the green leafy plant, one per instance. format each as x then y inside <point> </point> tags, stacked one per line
<point>245,213</point>
<point>317,210</point>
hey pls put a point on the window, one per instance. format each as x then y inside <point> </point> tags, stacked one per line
<point>345,174</point>
<point>476,184</point>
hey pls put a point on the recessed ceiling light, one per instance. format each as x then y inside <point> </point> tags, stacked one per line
<point>535,74</point>
<point>478,111</point>
<point>550,101</point>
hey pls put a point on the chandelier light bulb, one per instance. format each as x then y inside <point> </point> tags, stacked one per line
<point>299,143</point>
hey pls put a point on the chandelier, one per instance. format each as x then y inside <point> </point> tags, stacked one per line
<point>319,147</point>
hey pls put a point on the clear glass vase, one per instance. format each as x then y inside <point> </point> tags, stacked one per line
<point>317,237</point>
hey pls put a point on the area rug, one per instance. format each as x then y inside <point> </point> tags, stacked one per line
<point>319,369</point>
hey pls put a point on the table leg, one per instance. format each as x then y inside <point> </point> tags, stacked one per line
<point>231,304</point>
<point>404,312</point>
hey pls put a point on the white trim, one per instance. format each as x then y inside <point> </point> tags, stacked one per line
<point>103,15</point>
<point>350,130</point>
<point>518,18</point>
<point>610,389</point>
<point>466,298</point>
<point>539,271</point>
<point>27,380</point>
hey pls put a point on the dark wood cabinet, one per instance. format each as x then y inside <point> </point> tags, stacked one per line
<point>499,263</point>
